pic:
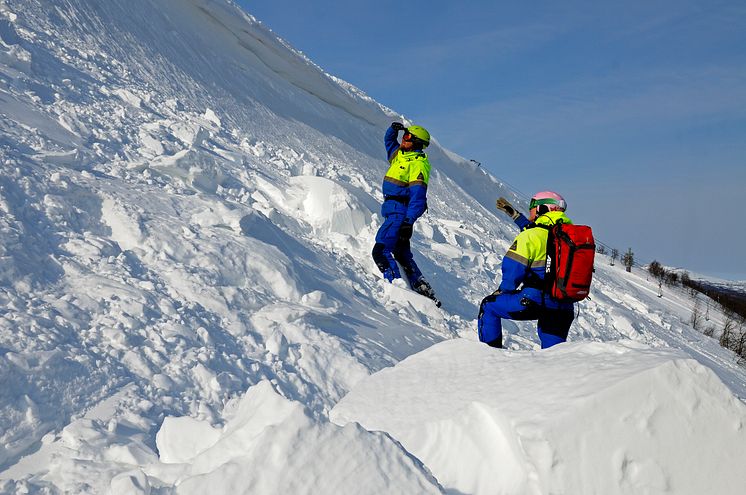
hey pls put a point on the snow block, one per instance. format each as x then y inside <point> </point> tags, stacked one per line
<point>272,445</point>
<point>579,418</point>
<point>181,439</point>
<point>328,206</point>
<point>130,483</point>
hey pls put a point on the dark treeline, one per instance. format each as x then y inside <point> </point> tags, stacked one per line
<point>729,299</point>
<point>733,302</point>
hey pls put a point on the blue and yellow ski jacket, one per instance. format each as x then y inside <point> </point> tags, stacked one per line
<point>405,182</point>
<point>525,262</point>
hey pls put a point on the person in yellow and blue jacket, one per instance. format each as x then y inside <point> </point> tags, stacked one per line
<point>405,200</point>
<point>521,294</point>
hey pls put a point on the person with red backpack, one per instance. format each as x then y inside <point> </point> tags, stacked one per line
<point>525,292</point>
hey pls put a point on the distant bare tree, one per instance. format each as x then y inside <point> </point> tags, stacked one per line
<point>734,338</point>
<point>740,344</point>
<point>628,260</point>
<point>614,255</point>
<point>741,347</point>
<point>601,249</point>
<point>726,338</point>
<point>656,269</point>
<point>696,319</point>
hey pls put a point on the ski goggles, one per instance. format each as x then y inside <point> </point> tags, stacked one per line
<point>538,202</point>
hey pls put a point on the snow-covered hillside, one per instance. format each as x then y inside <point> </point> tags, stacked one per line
<point>186,291</point>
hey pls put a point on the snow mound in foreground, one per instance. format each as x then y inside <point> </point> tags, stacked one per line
<point>577,418</point>
<point>271,445</point>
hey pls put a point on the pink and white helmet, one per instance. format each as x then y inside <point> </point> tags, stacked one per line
<point>552,200</point>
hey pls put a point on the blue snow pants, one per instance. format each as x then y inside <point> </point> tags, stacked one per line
<point>553,322</point>
<point>389,249</point>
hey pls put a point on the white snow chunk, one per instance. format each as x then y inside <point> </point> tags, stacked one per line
<point>132,454</point>
<point>124,223</point>
<point>579,418</point>
<point>271,445</point>
<point>189,133</point>
<point>220,214</point>
<point>130,483</point>
<point>151,145</point>
<point>128,97</point>
<point>329,207</point>
<point>211,116</point>
<point>181,439</point>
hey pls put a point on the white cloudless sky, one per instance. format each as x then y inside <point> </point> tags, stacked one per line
<point>634,111</point>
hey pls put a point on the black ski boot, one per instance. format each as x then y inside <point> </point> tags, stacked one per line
<point>423,288</point>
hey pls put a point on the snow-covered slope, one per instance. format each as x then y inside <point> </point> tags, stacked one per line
<point>576,418</point>
<point>188,208</point>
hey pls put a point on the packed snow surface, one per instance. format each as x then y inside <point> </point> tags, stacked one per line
<point>577,418</point>
<point>272,445</point>
<point>187,210</point>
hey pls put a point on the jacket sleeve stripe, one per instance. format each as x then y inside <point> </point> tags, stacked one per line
<point>395,181</point>
<point>517,258</point>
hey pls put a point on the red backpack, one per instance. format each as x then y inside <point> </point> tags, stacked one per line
<point>570,253</point>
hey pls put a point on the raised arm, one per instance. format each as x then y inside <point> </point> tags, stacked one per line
<point>390,139</point>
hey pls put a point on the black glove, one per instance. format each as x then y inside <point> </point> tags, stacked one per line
<point>405,231</point>
<point>502,204</point>
<point>398,126</point>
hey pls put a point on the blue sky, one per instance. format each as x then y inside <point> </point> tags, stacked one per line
<point>634,111</point>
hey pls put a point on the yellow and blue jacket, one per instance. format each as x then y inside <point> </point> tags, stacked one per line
<point>525,262</point>
<point>405,182</point>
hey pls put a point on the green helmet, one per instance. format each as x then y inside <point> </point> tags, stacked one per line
<point>420,133</point>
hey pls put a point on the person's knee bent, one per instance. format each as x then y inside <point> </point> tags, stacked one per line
<point>487,300</point>
<point>482,305</point>
<point>379,257</point>
<point>489,327</point>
